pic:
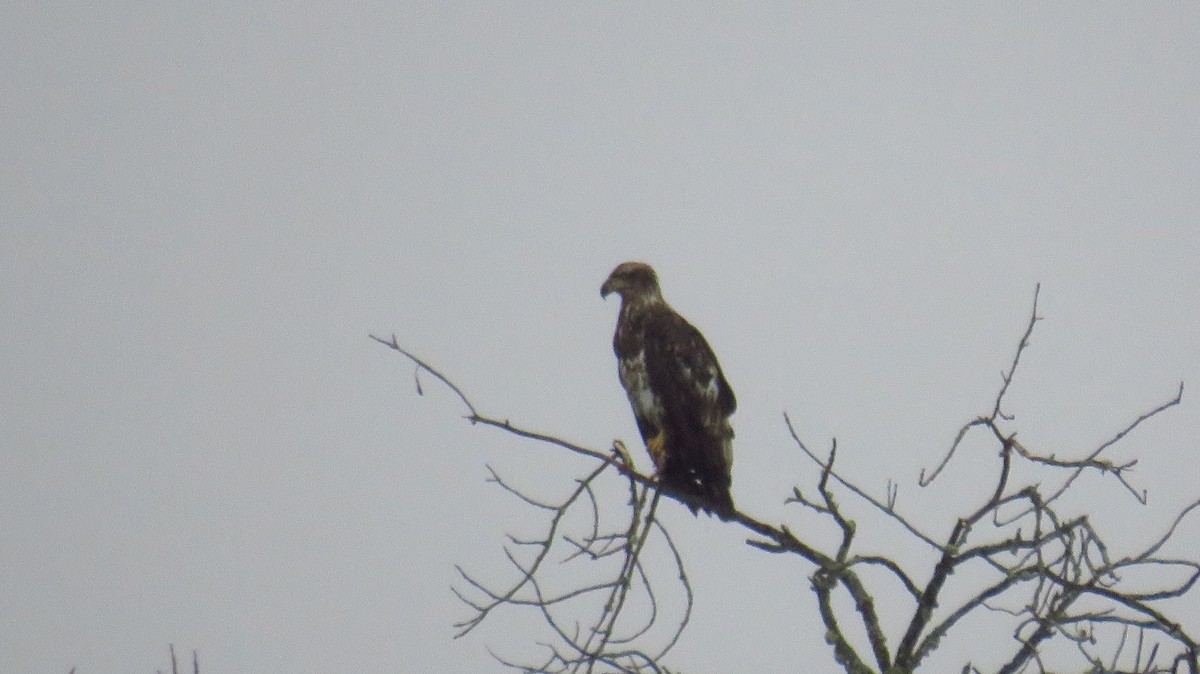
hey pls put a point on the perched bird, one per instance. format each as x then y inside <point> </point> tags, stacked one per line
<point>679,396</point>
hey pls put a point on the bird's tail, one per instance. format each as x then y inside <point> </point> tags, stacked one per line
<point>713,498</point>
<point>721,500</point>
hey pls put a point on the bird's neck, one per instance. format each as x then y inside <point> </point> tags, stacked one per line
<point>634,305</point>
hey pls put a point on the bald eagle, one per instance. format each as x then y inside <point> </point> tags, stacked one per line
<point>679,396</point>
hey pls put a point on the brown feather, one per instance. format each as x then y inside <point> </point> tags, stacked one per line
<point>676,388</point>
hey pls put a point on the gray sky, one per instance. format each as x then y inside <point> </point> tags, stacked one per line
<point>207,208</point>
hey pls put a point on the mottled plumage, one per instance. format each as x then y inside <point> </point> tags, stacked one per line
<point>679,396</point>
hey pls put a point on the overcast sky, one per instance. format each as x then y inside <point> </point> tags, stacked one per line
<point>206,209</point>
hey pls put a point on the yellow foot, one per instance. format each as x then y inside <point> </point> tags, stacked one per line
<point>656,446</point>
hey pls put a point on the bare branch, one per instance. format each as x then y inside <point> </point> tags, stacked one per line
<point>858,491</point>
<point>1006,378</point>
<point>422,365</point>
<point>1091,461</point>
<point>1049,573</point>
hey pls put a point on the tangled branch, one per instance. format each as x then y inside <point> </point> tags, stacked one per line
<point>1017,555</point>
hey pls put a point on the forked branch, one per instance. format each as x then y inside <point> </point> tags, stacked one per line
<point>1050,572</point>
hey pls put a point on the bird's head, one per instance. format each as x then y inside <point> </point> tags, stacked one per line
<point>632,280</point>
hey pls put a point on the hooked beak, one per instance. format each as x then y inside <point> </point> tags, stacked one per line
<point>606,288</point>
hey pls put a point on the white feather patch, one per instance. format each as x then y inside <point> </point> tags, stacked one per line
<point>637,387</point>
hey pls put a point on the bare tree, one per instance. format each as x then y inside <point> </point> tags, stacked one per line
<point>1072,603</point>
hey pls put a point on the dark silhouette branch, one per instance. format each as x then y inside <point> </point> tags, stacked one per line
<point>1049,572</point>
